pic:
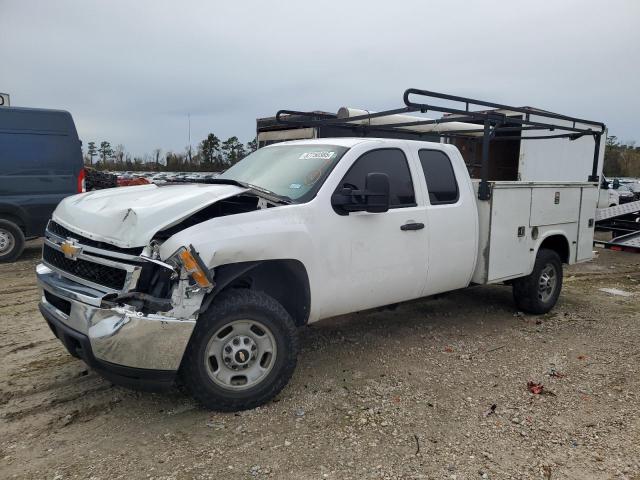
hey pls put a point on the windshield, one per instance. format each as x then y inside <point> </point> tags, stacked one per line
<point>293,171</point>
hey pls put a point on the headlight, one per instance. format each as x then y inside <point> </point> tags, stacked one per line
<point>193,265</point>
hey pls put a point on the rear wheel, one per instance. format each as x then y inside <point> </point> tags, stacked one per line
<point>242,353</point>
<point>11,241</point>
<point>538,293</point>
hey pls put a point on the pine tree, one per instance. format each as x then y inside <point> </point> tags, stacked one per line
<point>92,151</point>
<point>106,152</point>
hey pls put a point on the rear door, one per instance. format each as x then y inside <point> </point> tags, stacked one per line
<point>452,218</point>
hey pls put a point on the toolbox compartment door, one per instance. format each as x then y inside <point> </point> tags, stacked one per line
<point>554,205</point>
<point>586,225</point>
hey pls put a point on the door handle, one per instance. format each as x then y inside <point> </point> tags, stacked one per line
<point>412,226</point>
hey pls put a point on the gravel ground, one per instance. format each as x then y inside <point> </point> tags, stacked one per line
<point>406,393</point>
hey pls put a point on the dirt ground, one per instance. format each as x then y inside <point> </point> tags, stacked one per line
<point>389,394</point>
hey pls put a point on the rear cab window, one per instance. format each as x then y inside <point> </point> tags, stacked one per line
<point>440,177</point>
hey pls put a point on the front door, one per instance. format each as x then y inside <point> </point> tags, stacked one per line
<point>385,254</point>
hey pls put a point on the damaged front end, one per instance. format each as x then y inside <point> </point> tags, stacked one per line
<point>124,311</point>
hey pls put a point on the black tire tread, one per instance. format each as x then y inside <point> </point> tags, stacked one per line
<point>525,289</point>
<point>229,303</point>
<point>18,235</point>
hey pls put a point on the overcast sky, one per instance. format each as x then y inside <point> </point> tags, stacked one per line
<point>131,71</point>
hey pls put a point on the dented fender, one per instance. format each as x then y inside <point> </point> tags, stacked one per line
<point>267,234</point>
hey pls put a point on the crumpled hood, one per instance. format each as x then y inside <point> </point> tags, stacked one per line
<point>130,216</point>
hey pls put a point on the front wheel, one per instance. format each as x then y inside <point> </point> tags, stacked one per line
<point>242,353</point>
<point>538,292</point>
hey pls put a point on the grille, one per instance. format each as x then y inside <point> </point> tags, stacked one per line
<point>60,303</point>
<point>94,272</point>
<point>59,230</point>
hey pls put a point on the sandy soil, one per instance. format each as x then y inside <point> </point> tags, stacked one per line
<point>390,394</point>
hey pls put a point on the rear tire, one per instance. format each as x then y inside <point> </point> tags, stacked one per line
<point>242,353</point>
<point>11,241</point>
<point>538,292</point>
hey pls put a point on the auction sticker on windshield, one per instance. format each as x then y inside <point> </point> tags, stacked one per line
<point>324,155</point>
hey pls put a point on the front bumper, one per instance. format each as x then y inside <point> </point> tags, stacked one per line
<point>117,342</point>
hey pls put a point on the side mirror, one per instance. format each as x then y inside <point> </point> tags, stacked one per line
<point>616,184</point>
<point>374,198</point>
<point>377,192</point>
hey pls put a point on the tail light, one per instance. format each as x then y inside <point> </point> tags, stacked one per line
<point>82,186</point>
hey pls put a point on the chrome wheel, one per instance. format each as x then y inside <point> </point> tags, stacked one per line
<point>240,354</point>
<point>547,282</point>
<point>7,241</point>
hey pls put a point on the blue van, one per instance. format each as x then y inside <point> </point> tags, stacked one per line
<point>40,164</point>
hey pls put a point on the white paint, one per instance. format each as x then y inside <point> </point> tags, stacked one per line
<point>586,224</point>
<point>608,197</point>
<point>129,216</point>
<point>289,134</point>
<point>502,254</point>
<point>452,230</point>
<point>5,100</point>
<point>357,261</point>
<point>555,205</point>
<point>558,159</point>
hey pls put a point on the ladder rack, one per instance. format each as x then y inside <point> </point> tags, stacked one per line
<point>491,118</point>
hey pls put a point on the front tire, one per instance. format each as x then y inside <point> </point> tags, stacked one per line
<point>538,292</point>
<point>242,353</point>
<point>11,241</point>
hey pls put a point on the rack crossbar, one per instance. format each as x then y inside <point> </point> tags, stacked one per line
<point>490,122</point>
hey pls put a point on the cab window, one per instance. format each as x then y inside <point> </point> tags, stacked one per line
<point>441,181</point>
<point>391,161</point>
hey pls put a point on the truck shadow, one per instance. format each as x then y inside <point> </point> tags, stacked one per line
<point>32,251</point>
<point>489,306</point>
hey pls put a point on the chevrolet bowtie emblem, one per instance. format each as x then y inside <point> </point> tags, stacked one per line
<point>70,249</point>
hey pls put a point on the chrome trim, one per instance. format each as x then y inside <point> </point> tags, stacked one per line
<point>88,248</point>
<point>158,262</point>
<point>110,253</point>
<point>131,278</point>
<point>91,258</point>
<point>118,335</point>
<point>65,274</point>
<point>63,287</point>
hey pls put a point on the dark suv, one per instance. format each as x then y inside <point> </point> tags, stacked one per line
<point>40,164</point>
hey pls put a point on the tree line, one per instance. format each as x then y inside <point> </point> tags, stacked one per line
<point>214,155</point>
<point>211,155</point>
<point>621,159</point>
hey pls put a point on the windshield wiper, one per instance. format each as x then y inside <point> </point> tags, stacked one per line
<point>282,198</point>
<point>228,181</point>
<point>273,195</point>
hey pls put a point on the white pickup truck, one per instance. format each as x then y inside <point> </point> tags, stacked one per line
<point>207,284</point>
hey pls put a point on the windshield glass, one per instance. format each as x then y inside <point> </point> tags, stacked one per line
<point>294,171</point>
